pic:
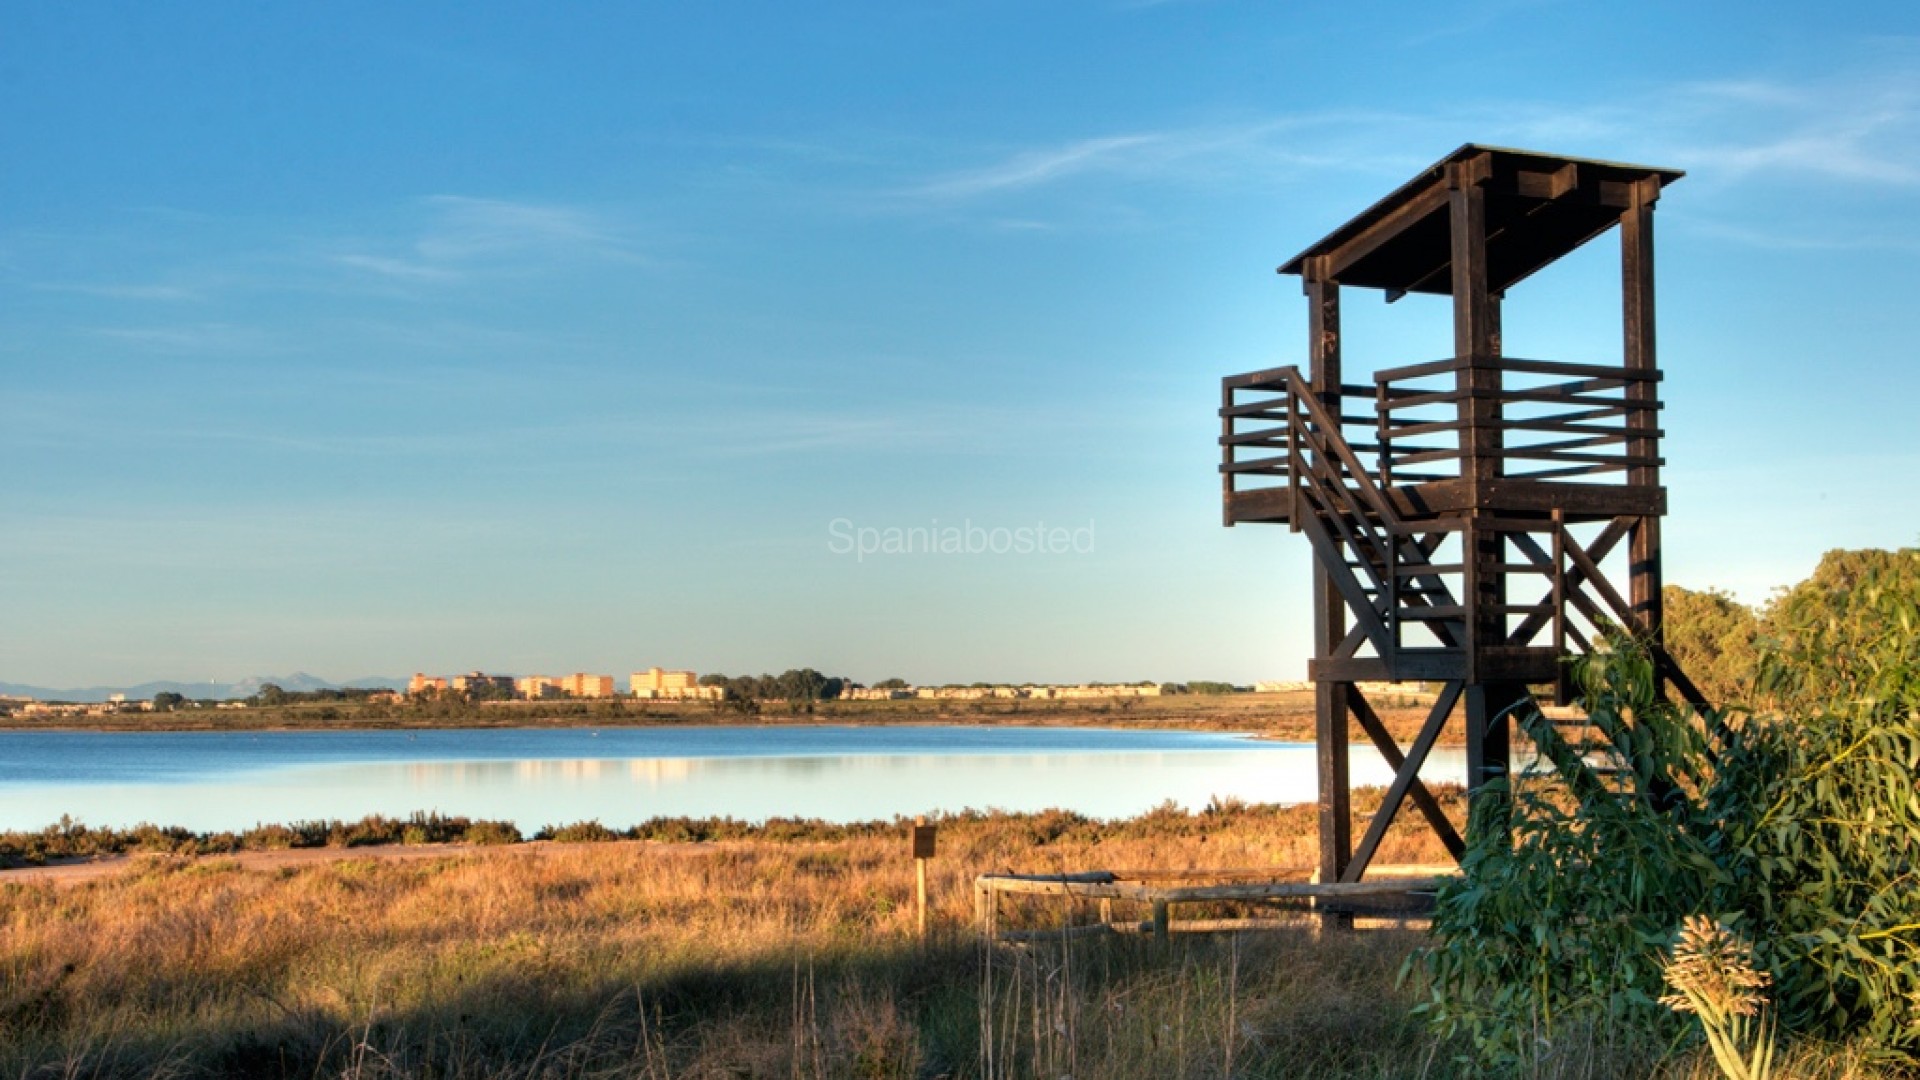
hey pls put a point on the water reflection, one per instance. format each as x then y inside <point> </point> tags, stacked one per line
<point>533,791</point>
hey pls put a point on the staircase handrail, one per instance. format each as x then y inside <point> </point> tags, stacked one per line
<point>1298,388</point>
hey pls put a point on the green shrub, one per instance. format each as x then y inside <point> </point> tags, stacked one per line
<point>1802,832</point>
<point>580,832</point>
<point>491,832</point>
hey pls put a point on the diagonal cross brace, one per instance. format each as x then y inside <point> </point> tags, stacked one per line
<point>1406,777</point>
<point>1603,546</point>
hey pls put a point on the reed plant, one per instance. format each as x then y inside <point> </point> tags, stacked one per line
<point>1712,973</point>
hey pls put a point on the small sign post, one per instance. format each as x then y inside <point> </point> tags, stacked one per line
<point>923,834</point>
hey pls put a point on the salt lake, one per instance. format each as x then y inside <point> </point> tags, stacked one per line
<point>621,776</point>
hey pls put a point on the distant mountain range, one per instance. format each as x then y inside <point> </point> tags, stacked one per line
<point>298,681</point>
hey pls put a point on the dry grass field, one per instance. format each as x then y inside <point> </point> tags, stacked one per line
<point>755,957</point>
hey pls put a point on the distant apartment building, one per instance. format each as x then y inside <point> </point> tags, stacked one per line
<point>870,693</point>
<point>474,680</point>
<point>1049,693</point>
<point>655,684</point>
<point>420,684</point>
<point>96,708</point>
<point>581,684</point>
<point>535,687</point>
<point>1126,690</point>
<point>656,681</point>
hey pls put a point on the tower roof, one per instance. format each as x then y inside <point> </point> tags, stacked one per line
<point>1539,207</point>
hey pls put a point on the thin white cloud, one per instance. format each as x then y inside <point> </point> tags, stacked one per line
<point>464,237</point>
<point>1859,127</point>
<point>472,228</point>
<point>1035,167</point>
<point>408,269</point>
<point>1462,19</point>
<point>1200,153</point>
<point>1872,149</point>
<point>114,291</point>
<point>1785,239</point>
<point>200,338</point>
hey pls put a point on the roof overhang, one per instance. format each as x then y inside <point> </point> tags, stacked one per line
<point>1538,208</point>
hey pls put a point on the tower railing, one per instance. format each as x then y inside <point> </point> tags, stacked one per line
<point>1556,421</point>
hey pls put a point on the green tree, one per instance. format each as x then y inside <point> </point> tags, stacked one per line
<point>1714,638</point>
<point>167,701</point>
<point>1846,635</point>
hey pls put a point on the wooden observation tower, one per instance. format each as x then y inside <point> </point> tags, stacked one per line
<point>1475,518</point>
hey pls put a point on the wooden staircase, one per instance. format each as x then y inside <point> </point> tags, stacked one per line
<point>1380,563</point>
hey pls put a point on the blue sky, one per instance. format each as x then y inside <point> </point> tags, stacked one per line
<point>367,338</point>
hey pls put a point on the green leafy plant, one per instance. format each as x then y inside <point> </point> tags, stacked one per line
<point>1551,929</point>
<point>1800,827</point>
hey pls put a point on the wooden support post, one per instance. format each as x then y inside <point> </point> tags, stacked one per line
<point>1323,337</point>
<point>1636,281</point>
<point>1476,342</point>
<point>923,843</point>
<point>1489,723</point>
<point>1562,674</point>
<point>1161,920</point>
<point>1331,715</point>
<point>1476,325</point>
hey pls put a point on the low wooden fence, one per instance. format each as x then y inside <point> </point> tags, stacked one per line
<point>1400,893</point>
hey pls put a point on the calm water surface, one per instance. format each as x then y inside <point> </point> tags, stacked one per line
<point>233,780</point>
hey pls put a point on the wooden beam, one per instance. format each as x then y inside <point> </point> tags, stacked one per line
<point>1419,665</point>
<point>1547,185</point>
<point>1079,885</point>
<point>1369,240</point>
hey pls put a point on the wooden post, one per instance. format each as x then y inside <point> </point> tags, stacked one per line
<point>1331,708</point>
<point>1488,706</point>
<point>1476,326</point>
<point>1161,919</point>
<point>1636,280</point>
<point>923,838</point>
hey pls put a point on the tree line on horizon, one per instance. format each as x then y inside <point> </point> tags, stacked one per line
<point>1720,642</point>
<point>1716,639</point>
